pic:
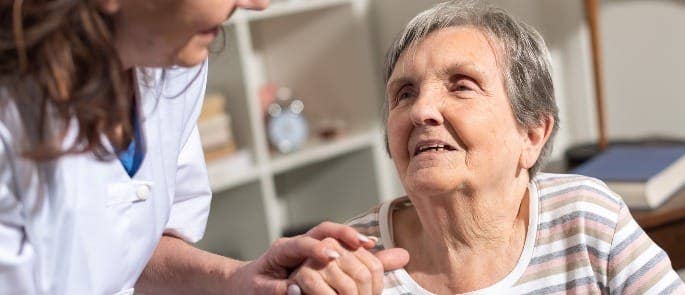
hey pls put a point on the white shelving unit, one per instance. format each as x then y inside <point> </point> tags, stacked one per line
<point>322,50</point>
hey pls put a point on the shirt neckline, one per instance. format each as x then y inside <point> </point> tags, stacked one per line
<point>387,239</point>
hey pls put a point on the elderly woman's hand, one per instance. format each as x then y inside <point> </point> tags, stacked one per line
<point>320,249</point>
<point>351,272</point>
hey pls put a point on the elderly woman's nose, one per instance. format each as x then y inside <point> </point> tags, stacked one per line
<point>426,111</point>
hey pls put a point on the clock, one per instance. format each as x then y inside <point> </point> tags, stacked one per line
<point>287,129</point>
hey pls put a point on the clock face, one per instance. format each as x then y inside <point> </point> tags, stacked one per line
<point>287,131</point>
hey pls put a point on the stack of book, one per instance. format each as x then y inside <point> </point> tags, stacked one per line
<point>214,125</point>
<point>644,176</point>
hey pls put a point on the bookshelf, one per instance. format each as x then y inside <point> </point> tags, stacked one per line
<point>336,77</point>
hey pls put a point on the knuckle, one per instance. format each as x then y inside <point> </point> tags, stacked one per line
<point>307,280</point>
<point>361,274</point>
<point>279,242</point>
<point>330,242</point>
<point>375,266</point>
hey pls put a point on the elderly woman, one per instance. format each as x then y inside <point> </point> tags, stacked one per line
<point>471,115</point>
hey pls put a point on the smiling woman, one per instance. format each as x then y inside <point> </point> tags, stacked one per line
<point>453,80</point>
<point>470,118</point>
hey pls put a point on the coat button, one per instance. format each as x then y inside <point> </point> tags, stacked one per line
<point>143,192</point>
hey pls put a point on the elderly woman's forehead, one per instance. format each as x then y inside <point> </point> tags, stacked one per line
<point>460,48</point>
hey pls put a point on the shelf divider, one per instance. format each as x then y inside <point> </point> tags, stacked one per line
<point>318,151</point>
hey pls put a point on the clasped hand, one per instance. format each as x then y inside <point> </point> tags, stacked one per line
<point>329,259</point>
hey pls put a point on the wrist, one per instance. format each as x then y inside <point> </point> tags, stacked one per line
<point>234,268</point>
<point>218,275</point>
<point>237,276</point>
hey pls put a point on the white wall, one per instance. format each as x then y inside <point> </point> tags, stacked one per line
<point>644,61</point>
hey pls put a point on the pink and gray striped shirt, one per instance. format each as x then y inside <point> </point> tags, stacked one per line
<point>581,238</point>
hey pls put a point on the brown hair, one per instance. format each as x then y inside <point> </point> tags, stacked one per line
<point>58,61</point>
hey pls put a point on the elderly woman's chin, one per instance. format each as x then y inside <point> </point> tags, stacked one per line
<point>435,181</point>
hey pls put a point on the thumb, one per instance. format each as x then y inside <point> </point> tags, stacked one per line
<point>393,259</point>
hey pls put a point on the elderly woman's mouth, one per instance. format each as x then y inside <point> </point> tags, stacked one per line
<point>432,147</point>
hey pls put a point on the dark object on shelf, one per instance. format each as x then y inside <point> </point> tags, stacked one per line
<point>329,129</point>
<point>579,154</point>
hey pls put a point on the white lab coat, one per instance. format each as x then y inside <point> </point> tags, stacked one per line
<point>83,226</point>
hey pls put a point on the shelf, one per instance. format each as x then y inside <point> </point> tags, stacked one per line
<point>237,224</point>
<point>283,8</point>
<point>232,171</point>
<point>334,82</point>
<point>336,189</point>
<point>317,150</point>
<point>259,196</point>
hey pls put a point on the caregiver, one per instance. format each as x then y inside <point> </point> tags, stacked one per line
<point>103,185</point>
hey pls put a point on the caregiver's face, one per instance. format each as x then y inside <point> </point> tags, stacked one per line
<point>450,125</point>
<point>170,32</point>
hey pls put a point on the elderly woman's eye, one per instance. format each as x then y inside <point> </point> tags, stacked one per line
<point>464,84</point>
<point>404,93</point>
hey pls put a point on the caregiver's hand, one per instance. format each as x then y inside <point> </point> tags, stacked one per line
<point>269,273</point>
<point>352,272</point>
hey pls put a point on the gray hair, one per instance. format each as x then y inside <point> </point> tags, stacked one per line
<point>527,68</point>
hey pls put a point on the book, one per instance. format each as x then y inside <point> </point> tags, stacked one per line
<point>644,176</point>
<point>215,132</point>
<point>214,104</point>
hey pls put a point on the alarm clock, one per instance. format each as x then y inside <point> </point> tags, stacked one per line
<point>287,129</point>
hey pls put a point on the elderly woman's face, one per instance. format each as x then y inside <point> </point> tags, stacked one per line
<point>450,124</point>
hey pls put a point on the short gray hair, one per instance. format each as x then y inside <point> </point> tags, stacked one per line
<point>527,68</point>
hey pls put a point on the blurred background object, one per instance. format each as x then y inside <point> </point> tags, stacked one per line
<point>287,127</point>
<point>214,126</point>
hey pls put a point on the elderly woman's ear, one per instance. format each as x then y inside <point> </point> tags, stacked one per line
<point>534,141</point>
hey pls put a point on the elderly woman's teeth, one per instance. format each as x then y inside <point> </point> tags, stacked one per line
<point>436,147</point>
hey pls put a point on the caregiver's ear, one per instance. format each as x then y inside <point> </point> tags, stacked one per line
<point>535,139</point>
<point>109,6</point>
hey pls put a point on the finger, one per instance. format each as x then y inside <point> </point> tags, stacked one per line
<point>393,259</point>
<point>291,252</point>
<point>339,280</point>
<point>375,268</point>
<point>311,282</point>
<point>347,235</point>
<point>294,289</point>
<point>350,268</point>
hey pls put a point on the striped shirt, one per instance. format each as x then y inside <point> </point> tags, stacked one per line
<point>581,238</point>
